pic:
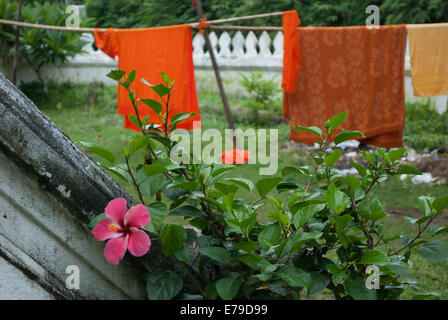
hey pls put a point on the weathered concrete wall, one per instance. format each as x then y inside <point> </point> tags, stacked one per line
<point>49,190</point>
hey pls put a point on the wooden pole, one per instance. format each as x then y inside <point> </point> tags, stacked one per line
<point>222,92</point>
<point>16,45</point>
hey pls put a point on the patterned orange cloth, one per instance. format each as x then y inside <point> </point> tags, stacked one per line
<point>352,69</point>
<point>291,56</point>
<point>150,51</point>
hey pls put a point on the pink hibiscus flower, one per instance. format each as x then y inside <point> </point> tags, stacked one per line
<point>121,229</point>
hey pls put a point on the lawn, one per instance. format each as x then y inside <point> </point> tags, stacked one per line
<point>84,116</point>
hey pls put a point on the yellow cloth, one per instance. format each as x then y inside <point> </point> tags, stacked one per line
<point>428,45</point>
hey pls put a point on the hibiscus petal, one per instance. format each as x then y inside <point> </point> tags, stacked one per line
<point>104,230</point>
<point>116,210</point>
<point>115,249</point>
<point>137,216</point>
<point>139,242</point>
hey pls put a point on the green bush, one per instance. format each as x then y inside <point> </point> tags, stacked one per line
<point>261,104</point>
<point>149,13</point>
<point>37,46</point>
<point>425,128</point>
<point>324,230</point>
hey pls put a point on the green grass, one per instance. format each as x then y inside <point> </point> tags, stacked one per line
<point>68,106</point>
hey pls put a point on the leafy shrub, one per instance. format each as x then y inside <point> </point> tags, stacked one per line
<point>150,13</point>
<point>37,46</point>
<point>425,128</point>
<point>263,96</point>
<point>323,233</point>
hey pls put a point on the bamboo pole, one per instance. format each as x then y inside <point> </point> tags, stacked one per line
<point>245,28</point>
<point>16,45</point>
<point>256,16</point>
<point>46,27</point>
<point>193,25</point>
<point>61,28</point>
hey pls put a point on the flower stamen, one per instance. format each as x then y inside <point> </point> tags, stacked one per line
<point>112,227</point>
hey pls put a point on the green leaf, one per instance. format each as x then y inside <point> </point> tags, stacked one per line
<point>269,236</point>
<point>134,120</point>
<point>375,257</point>
<point>221,169</point>
<point>246,184</point>
<point>343,221</point>
<point>396,154</point>
<point>347,135</point>
<point>407,169</point>
<point>104,153</point>
<point>434,251</point>
<point>129,78</point>
<point>361,170</point>
<point>187,211</point>
<point>163,285</point>
<point>356,288</point>
<point>244,245</point>
<point>157,212</point>
<point>178,117</point>
<point>424,204</point>
<point>153,169</point>
<point>400,269</point>
<point>319,282</point>
<point>440,203</point>
<point>165,78</point>
<point>184,255</point>
<point>298,239</point>
<point>137,143</point>
<point>333,157</point>
<point>229,286</point>
<point>376,209</point>
<point>92,224</point>
<point>337,120</point>
<point>314,130</point>
<point>160,89</point>
<point>339,276</point>
<point>153,104</point>
<point>337,200</point>
<point>226,188</point>
<point>353,182</point>
<point>304,214</point>
<point>297,278</point>
<point>173,237</point>
<point>184,184</point>
<point>116,74</point>
<point>265,185</point>
<point>218,254</point>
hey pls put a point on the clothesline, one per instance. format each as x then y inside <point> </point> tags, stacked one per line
<point>195,25</point>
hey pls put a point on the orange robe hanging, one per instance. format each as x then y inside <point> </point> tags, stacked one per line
<point>291,55</point>
<point>150,51</point>
<point>352,69</point>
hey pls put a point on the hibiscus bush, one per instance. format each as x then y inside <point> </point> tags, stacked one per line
<point>326,232</point>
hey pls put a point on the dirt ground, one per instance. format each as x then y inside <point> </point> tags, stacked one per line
<point>436,164</point>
